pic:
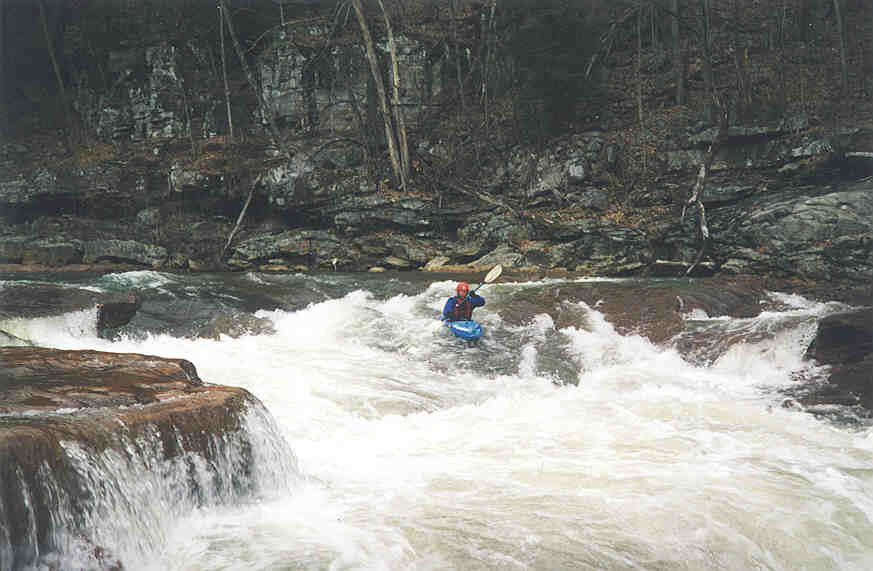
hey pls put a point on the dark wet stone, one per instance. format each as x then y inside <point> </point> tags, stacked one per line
<point>235,325</point>
<point>652,308</point>
<point>845,342</point>
<point>43,300</point>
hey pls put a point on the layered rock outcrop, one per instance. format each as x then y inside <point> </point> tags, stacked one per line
<point>61,411</point>
<point>160,185</point>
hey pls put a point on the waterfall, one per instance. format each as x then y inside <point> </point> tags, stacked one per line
<point>106,501</point>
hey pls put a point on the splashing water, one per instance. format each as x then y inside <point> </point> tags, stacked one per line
<point>538,449</point>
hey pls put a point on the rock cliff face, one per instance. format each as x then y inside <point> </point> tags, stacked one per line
<point>151,419</point>
<point>156,183</point>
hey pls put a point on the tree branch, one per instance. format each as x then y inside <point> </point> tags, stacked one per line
<point>696,198</point>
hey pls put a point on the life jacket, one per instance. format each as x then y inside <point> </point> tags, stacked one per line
<point>463,309</point>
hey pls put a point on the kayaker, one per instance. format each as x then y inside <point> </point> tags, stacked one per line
<point>460,307</point>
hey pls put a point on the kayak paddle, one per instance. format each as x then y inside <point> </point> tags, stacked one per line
<point>492,275</point>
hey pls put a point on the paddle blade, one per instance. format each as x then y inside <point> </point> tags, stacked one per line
<point>493,274</point>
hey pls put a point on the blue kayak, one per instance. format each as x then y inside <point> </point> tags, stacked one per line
<point>467,330</point>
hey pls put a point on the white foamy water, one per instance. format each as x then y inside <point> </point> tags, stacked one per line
<point>417,452</point>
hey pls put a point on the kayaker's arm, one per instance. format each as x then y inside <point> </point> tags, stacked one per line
<point>477,300</point>
<point>449,309</point>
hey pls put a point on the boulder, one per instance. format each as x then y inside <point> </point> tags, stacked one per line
<point>845,342</point>
<point>61,411</point>
<point>43,300</point>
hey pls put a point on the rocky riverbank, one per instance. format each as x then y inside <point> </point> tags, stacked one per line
<point>799,215</point>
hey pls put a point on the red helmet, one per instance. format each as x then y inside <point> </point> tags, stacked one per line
<point>463,287</point>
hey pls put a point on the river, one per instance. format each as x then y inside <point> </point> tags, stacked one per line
<point>394,446</point>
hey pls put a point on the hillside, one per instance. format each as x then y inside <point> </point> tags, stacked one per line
<point>491,91</point>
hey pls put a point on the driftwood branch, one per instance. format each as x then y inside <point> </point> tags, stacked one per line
<point>483,196</point>
<point>696,198</point>
<point>241,216</point>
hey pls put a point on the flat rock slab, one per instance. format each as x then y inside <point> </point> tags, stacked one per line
<point>101,402</point>
<point>33,378</point>
<point>96,389</point>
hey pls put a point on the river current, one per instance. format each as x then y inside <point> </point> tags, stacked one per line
<point>404,448</point>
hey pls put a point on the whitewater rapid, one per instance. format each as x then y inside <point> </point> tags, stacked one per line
<point>412,450</point>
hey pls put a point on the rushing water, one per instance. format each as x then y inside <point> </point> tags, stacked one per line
<point>539,448</point>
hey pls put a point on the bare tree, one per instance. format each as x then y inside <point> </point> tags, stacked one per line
<point>782,19</point>
<point>456,44</point>
<point>678,58</point>
<point>744,95</point>
<point>376,71</point>
<point>396,107</point>
<point>487,56</point>
<point>839,13</point>
<point>62,92</point>
<point>265,105</point>
<point>224,74</point>
<point>639,66</point>
<point>706,44</point>
<point>2,58</point>
<point>266,109</point>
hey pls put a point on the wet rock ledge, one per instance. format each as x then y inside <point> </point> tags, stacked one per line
<point>42,300</point>
<point>124,405</point>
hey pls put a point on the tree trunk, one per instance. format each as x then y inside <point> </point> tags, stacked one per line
<point>224,74</point>
<point>802,20</point>
<point>483,54</point>
<point>190,120</point>
<point>61,90</point>
<point>783,64</point>
<point>375,70</point>
<point>639,69</point>
<point>488,40</point>
<point>266,107</point>
<point>844,63</point>
<point>457,48</point>
<point>743,97</point>
<point>374,140</point>
<point>706,39</point>
<point>363,128</point>
<point>2,59</point>
<point>399,120</point>
<point>310,104</point>
<point>678,59</point>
